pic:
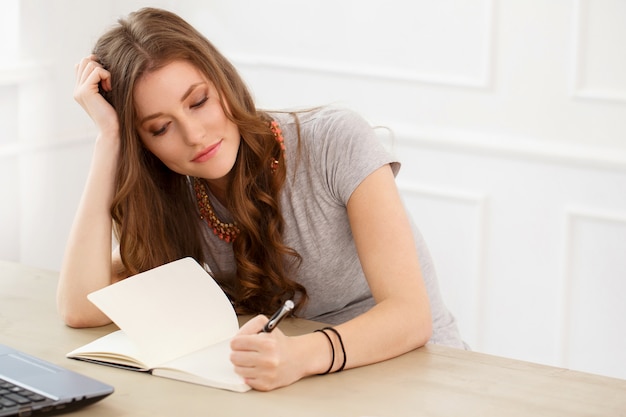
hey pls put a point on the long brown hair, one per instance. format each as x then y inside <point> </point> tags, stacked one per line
<point>149,197</point>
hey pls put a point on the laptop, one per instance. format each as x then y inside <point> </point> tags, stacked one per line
<point>32,386</point>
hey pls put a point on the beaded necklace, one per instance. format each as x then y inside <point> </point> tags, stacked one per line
<point>228,232</point>
<point>278,135</point>
<point>225,231</point>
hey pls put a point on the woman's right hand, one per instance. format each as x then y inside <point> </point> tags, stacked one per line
<point>89,75</point>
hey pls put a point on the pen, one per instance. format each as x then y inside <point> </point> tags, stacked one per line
<point>278,316</point>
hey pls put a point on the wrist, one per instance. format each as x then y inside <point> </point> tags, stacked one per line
<point>109,135</point>
<point>317,353</point>
<point>108,143</point>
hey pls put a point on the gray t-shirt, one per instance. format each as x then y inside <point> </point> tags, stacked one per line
<point>338,150</point>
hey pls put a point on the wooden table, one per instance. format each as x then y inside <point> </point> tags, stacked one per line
<point>430,381</point>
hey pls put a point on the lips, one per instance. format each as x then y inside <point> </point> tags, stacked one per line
<point>207,153</point>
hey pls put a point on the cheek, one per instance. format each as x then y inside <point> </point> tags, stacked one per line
<point>159,150</point>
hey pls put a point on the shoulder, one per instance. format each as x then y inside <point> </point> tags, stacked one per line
<point>327,132</point>
<point>336,122</point>
<point>326,119</point>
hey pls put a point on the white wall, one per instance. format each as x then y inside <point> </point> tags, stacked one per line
<point>509,117</point>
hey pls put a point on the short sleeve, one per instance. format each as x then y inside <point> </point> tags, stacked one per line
<point>345,149</point>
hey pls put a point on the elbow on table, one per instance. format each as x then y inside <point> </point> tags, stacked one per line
<point>77,318</point>
<point>423,327</point>
<point>417,324</point>
<point>74,321</point>
<point>423,333</point>
<point>81,322</point>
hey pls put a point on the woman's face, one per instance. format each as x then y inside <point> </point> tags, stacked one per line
<point>181,121</point>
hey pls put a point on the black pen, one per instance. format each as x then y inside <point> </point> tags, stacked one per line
<point>282,312</point>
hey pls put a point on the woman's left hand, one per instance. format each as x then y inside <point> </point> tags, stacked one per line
<point>264,360</point>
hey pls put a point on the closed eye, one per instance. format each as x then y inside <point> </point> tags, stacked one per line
<point>199,103</point>
<point>160,131</point>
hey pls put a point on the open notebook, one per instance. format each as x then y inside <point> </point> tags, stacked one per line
<point>29,386</point>
<point>175,322</point>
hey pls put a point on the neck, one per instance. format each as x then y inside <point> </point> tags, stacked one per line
<point>218,189</point>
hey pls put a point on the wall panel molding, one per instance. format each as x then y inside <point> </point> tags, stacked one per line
<point>579,36</point>
<point>32,147</point>
<point>353,71</point>
<point>574,219</point>
<point>385,72</point>
<point>506,146</point>
<point>21,72</point>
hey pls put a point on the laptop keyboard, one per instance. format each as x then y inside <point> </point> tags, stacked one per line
<point>13,396</point>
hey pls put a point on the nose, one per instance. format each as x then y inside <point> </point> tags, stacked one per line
<point>193,131</point>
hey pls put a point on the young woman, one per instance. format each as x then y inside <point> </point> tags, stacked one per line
<point>277,205</point>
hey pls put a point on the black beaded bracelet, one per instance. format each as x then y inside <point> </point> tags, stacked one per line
<point>343,349</point>
<point>332,349</point>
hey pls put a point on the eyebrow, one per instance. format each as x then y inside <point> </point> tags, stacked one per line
<point>183,98</point>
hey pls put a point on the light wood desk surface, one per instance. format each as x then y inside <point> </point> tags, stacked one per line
<point>430,381</point>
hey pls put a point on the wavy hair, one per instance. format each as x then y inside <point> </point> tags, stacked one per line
<point>149,197</point>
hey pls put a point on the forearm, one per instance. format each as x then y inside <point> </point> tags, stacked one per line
<point>388,330</point>
<point>87,261</point>
<point>270,360</point>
